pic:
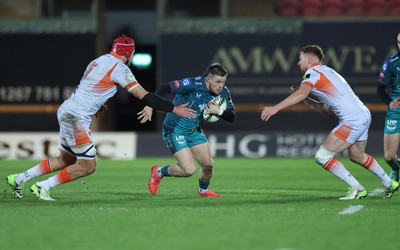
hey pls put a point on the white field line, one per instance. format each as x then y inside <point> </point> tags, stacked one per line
<point>376,192</point>
<point>351,210</point>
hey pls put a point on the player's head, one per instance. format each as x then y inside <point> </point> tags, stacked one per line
<point>215,69</point>
<point>125,47</point>
<point>215,78</point>
<point>308,56</point>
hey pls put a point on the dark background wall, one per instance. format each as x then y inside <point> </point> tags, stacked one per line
<point>40,69</point>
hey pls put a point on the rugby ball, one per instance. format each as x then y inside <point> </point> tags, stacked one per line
<point>213,118</point>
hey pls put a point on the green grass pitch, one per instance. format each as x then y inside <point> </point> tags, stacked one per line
<point>277,204</point>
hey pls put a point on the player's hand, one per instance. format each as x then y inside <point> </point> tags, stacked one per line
<point>101,111</point>
<point>184,111</point>
<point>267,112</point>
<point>395,103</point>
<point>213,108</point>
<point>145,114</point>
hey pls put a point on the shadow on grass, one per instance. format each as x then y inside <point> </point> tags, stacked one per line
<point>181,199</point>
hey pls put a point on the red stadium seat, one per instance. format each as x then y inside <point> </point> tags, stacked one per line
<point>311,8</point>
<point>376,7</point>
<point>394,7</point>
<point>355,7</point>
<point>332,8</point>
<point>289,8</point>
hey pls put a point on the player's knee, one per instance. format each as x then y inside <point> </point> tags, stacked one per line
<point>87,152</point>
<point>87,167</point>
<point>323,156</point>
<point>90,170</point>
<point>389,157</point>
<point>208,166</point>
<point>359,157</point>
<point>189,171</point>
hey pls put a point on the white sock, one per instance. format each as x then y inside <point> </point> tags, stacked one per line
<point>372,165</point>
<point>42,168</point>
<point>337,169</point>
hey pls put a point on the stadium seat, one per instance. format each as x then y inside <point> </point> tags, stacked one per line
<point>394,7</point>
<point>355,7</point>
<point>311,8</point>
<point>376,7</point>
<point>289,8</point>
<point>332,8</point>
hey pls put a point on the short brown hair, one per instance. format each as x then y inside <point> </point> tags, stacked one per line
<point>215,69</point>
<point>313,49</point>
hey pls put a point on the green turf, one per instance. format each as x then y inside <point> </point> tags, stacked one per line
<point>267,204</point>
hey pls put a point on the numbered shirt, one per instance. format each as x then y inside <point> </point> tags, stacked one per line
<point>98,84</point>
<point>333,90</point>
<point>390,75</point>
<point>193,91</point>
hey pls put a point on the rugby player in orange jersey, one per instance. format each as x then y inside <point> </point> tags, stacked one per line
<point>77,152</point>
<point>335,95</point>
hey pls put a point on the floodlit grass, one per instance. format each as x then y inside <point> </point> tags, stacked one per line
<point>267,204</point>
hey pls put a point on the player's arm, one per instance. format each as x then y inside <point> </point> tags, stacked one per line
<point>163,90</point>
<point>312,103</point>
<point>228,114</point>
<point>147,112</point>
<point>381,91</point>
<point>302,93</point>
<point>317,106</point>
<point>383,83</point>
<point>292,99</point>
<point>154,101</point>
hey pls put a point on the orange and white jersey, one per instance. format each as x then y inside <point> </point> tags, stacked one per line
<point>332,89</point>
<point>98,84</point>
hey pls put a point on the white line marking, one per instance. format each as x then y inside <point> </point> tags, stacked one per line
<point>351,210</point>
<point>376,192</point>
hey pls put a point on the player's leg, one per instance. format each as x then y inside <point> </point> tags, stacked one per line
<point>202,154</point>
<point>86,165</point>
<point>325,158</point>
<point>185,165</point>
<point>391,139</point>
<point>357,155</point>
<point>78,137</point>
<point>16,181</point>
<point>390,146</point>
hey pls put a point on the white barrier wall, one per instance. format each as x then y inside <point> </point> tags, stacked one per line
<point>249,144</point>
<point>21,145</point>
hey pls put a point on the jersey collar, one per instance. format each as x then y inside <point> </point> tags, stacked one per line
<point>115,55</point>
<point>315,64</point>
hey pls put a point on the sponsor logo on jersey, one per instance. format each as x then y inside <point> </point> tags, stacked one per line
<point>180,139</point>
<point>177,84</point>
<point>384,67</point>
<point>198,95</point>
<point>391,122</point>
<point>381,75</point>
<point>390,128</point>
<point>185,82</point>
<point>202,106</point>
